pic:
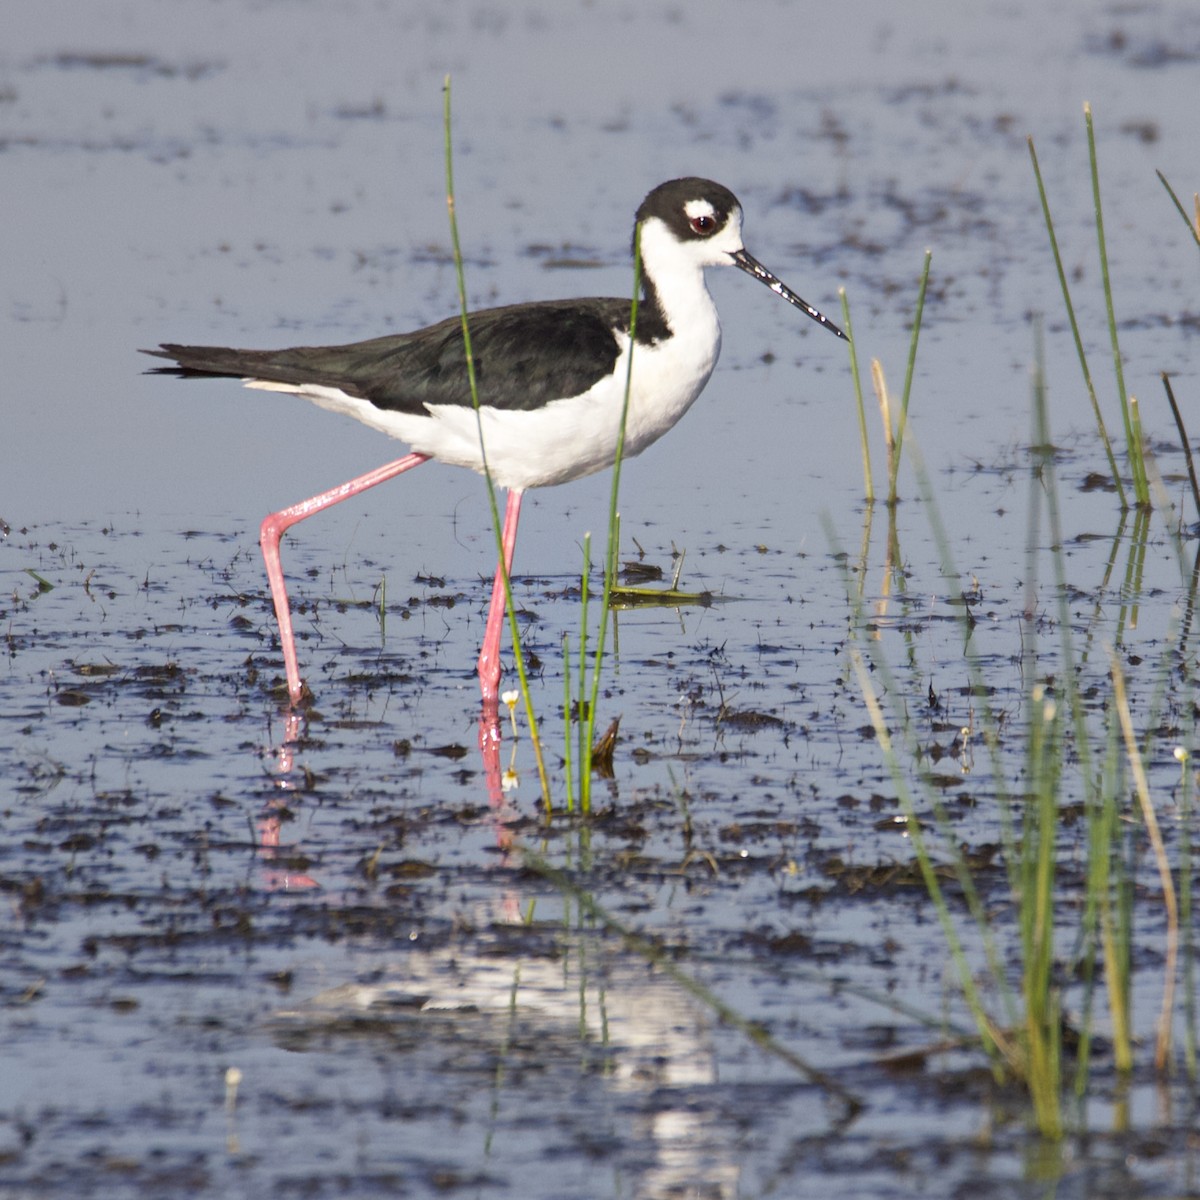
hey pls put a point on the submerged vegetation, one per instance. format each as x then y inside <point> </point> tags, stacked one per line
<point>1069,783</point>
<point>1047,959</point>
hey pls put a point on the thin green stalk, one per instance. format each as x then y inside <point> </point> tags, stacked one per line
<point>1183,441</point>
<point>864,550</point>
<point>582,731</point>
<point>1187,792</point>
<point>868,484</point>
<point>566,653</point>
<point>1036,900</point>
<point>612,549</point>
<point>1143,452</point>
<point>1133,443</point>
<point>1102,825</point>
<point>1044,1079</point>
<point>1114,944</point>
<point>1068,674</point>
<point>1044,763</point>
<point>908,377</point>
<point>1193,225</point>
<point>518,652</point>
<point>1114,921</point>
<point>1079,350</point>
<point>1135,566</point>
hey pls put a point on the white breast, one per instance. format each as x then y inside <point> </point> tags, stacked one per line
<point>567,438</point>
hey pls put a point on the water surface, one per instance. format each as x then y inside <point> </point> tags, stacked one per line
<point>343,909</point>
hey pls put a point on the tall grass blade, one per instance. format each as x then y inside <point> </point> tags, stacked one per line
<point>908,377</point>
<point>868,483</point>
<point>1183,441</point>
<point>613,546</point>
<point>581,707</point>
<point>1043,1034</point>
<point>518,652</point>
<point>566,653</point>
<point>1193,224</point>
<point>1102,825</point>
<point>1134,446</point>
<point>1079,350</point>
<point>1186,810</point>
<point>1114,894</point>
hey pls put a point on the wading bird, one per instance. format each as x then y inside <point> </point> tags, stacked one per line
<point>551,379</point>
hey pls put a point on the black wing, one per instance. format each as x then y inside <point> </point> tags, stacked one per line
<point>525,356</point>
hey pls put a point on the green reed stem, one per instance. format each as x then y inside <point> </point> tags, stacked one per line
<point>1193,225</point>
<point>1108,889</point>
<point>1184,441</point>
<point>1114,922</point>
<point>1043,1039</point>
<point>1134,445</point>
<point>497,528</point>
<point>612,549</point>
<point>1096,918</point>
<point>582,728</point>
<point>566,653</point>
<point>908,377</point>
<point>868,484</point>
<point>1186,798</point>
<point>1079,350</point>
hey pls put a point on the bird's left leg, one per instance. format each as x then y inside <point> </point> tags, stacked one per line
<point>276,524</point>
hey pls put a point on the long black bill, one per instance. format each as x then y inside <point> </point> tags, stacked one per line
<point>752,266</point>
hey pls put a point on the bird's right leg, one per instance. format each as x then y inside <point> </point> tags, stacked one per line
<point>489,655</point>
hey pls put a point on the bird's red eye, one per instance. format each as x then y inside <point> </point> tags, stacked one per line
<point>704,224</point>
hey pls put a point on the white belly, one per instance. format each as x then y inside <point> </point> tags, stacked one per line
<point>571,438</point>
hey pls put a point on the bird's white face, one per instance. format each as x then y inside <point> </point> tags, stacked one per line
<point>704,237</point>
<point>716,236</point>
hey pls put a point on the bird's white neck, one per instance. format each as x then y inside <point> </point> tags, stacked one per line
<point>675,276</point>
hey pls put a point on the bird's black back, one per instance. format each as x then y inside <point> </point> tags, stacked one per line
<point>526,355</point>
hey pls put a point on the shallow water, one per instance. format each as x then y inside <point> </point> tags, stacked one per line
<point>345,909</point>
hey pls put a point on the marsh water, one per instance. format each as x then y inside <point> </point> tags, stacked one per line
<point>340,952</point>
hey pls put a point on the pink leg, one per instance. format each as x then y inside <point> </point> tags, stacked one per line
<point>489,656</point>
<point>274,527</point>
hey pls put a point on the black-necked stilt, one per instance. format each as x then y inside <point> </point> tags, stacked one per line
<point>551,381</point>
